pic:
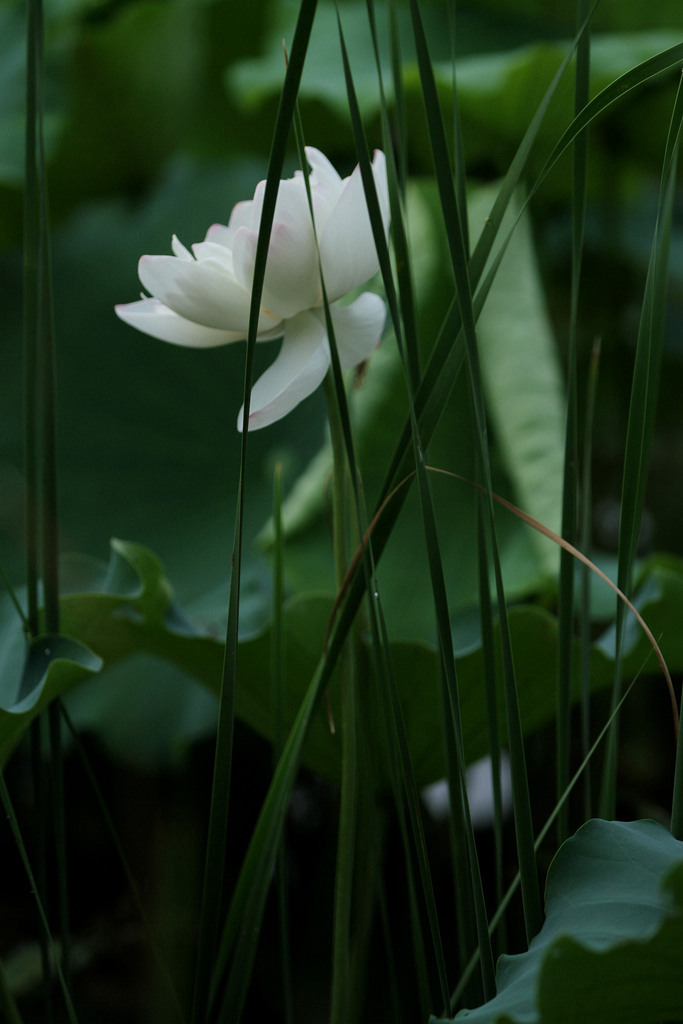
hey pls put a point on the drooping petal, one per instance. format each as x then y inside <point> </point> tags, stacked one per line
<point>201,292</point>
<point>298,370</point>
<point>292,281</point>
<point>357,328</point>
<point>151,317</point>
<point>347,245</point>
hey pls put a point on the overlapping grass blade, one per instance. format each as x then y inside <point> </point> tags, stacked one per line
<point>258,865</point>
<point>448,354</point>
<point>212,895</point>
<point>346,957</point>
<point>459,262</point>
<point>451,701</point>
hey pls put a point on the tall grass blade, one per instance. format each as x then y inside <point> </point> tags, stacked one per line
<point>459,165</point>
<point>492,709</point>
<point>395,1008</point>
<point>399,120</point>
<point>345,953</point>
<point>40,430</point>
<point>677,798</point>
<point>250,894</point>
<point>586,541</point>
<point>212,896</point>
<point>237,947</point>
<point>343,981</point>
<point>31,254</point>
<point>407,342</point>
<point>459,262</point>
<point>448,354</point>
<point>570,492</point>
<point>396,181</point>
<point>31,314</point>
<point>451,700</point>
<point>277,669</point>
<point>645,386</point>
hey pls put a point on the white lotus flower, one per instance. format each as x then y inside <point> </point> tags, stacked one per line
<point>201,298</point>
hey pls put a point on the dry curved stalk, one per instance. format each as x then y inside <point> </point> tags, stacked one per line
<point>540,528</point>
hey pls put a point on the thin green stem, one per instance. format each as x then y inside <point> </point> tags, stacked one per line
<point>584,606</point>
<point>348,809</point>
<point>279,734</point>
<point>677,801</point>
<point>31,249</point>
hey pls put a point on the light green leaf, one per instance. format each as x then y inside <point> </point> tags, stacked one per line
<point>523,381</point>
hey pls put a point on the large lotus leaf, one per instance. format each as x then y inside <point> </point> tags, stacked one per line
<point>610,948</point>
<point>148,709</point>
